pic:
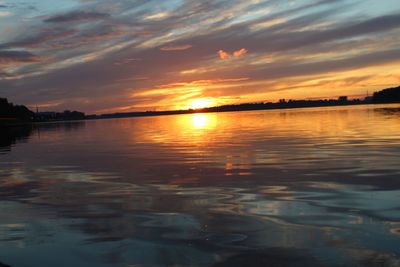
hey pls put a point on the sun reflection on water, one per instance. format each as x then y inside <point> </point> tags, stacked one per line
<point>200,121</point>
<point>191,124</point>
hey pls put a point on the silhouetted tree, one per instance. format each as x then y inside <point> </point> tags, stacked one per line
<point>389,95</point>
<point>11,112</point>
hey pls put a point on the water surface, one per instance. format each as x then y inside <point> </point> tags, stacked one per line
<point>304,187</point>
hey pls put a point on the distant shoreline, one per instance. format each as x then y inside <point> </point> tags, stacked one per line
<point>11,115</point>
<point>385,96</point>
<point>173,112</point>
<point>207,110</point>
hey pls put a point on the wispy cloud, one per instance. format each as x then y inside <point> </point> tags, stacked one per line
<point>157,16</point>
<point>11,56</point>
<point>5,14</point>
<point>176,47</point>
<point>76,16</point>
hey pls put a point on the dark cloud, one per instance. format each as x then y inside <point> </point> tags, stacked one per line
<point>273,39</point>
<point>77,16</point>
<point>4,75</point>
<point>375,25</point>
<point>13,56</point>
<point>43,38</point>
<point>280,70</point>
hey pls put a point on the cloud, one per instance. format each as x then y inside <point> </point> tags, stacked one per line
<point>77,16</point>
<point>44,37</point>
<point>223,54</point>
<point>157,16</point>
<point>240,52</point>
<point>5,75</point>
<point>12,56</point>
<point>176,47</point>
<point>5,14</point>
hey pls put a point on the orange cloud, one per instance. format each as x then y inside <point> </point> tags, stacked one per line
<point>240,52</point>
<point>223,55</point>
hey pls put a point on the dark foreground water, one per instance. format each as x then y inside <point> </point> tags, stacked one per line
<point>309,187</point>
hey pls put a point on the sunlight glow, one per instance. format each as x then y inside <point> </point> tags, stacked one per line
<point>201,103</point>
<point>200,121</point>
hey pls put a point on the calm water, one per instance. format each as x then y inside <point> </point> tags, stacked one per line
<point>309,187</point>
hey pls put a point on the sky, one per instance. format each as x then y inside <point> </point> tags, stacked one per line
<point>102,56</point>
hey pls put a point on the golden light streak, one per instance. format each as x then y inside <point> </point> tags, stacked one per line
<point>201,103</point>
<point>199,121</point>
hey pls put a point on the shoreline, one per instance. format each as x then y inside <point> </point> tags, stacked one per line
<point>179,112</point>
<point>207,110</point>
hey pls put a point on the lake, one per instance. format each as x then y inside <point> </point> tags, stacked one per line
<point>301,187</point>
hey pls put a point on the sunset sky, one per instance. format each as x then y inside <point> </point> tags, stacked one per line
<point>101,56</point>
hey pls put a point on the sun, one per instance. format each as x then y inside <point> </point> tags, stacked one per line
<point>199,103</point>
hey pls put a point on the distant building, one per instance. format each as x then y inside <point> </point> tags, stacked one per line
<point>60,116</point>
<point>368,99</point>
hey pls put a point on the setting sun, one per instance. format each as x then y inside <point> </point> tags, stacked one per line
<point>201,103</point>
